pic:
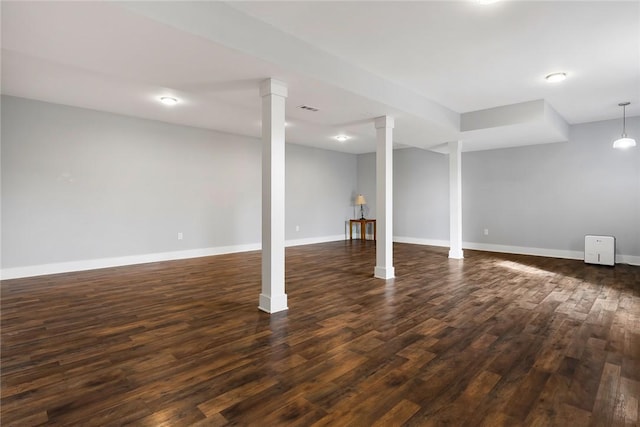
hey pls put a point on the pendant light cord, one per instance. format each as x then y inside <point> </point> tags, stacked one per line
<point>624,118</point>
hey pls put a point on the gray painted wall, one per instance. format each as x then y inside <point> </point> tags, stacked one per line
<point>420,192</point>
<point>550,196</point>
<point>320,191</point>
<point>80,184</point>
<point>544,196</point>
<point>367,184</point>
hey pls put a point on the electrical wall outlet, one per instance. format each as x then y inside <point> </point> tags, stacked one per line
<point>180,236</point>
<point>297,228</point>
<point>486,231</point>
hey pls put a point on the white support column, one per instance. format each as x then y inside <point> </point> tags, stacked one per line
<point>273,298</point>
<point>455,200</point>
<point>384,198</point>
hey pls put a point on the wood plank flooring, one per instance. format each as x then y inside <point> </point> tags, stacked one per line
<point>491,340</point>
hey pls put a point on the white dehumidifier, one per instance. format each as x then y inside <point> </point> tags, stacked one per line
<point>600,250</point>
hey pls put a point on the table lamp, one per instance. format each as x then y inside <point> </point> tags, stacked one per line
<point>360,200</point>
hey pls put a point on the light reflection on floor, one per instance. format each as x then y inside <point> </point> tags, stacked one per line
<point>521,268</point>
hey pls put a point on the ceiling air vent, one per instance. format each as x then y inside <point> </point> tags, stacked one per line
<point>308,108</point>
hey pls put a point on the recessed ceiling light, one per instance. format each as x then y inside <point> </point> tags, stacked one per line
<point>167,100</point>
<point>556,77</point>
<point>341,138</point>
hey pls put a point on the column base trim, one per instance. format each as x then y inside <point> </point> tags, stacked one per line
<point>273,303</point>
<point>384,272</point>
<point>456,254</point>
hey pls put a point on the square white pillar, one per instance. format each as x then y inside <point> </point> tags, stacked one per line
<point>273,297</point>
<point>455,200</point>
<point>384,198</point>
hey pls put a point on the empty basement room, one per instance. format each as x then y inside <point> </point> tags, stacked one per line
<point>320,213</point>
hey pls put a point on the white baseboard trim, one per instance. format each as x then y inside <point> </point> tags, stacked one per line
<point>520,250</point>
<point>551,253</point>
<point>416,241</point>
<point>314,240</point>
<point>628,259</point>
<point>92,264</point>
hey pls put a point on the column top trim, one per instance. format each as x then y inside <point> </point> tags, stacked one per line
<point>384,122</point>
<point>273,87</point>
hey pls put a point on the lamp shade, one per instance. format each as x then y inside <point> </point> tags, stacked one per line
<point>360,200</point>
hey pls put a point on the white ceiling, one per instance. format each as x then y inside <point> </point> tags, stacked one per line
<point>427,64</point>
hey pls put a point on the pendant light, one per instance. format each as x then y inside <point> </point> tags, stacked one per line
<point>624,141</point>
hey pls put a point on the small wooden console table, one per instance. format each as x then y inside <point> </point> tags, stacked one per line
<point>363,227</point>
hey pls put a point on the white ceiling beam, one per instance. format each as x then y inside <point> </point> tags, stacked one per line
<point>223,24</point>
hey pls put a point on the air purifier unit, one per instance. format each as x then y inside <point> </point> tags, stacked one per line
<point>600,250</point>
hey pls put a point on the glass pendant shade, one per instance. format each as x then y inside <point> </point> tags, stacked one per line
<point>624,141</point>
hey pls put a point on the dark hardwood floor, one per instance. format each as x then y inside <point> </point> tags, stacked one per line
<point>491,340</point>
